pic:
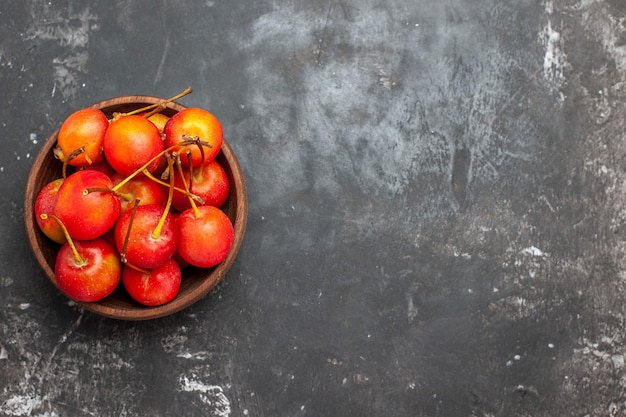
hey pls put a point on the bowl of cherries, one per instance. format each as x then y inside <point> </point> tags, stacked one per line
<point>136,207</point>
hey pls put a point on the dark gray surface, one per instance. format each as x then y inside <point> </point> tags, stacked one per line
<point>437,210</point>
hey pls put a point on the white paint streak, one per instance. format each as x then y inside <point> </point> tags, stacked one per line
<point>212,395</point>
<point>202,355</point>
<point>72,34</point>
<point>533,251</point>
<point>412,309</point>
<point>20,405</point>
<point>609,30</point>
<point>61,341</point>
<point>554,60</point>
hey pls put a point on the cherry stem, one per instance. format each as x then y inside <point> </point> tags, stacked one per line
<point>195,173</point>
<point>190,163</point>
<point>77,258</point>
<point>196,141</point>
<point>127,239</point>
<point>136,268</point>
<point>130,224</point>
<point>160,106</point>
<point>156,233</point>
<point>157,156</point>
<point>194,207</point>
<point>66,160</point>
<point>197,198</point>
<point>125,196</point>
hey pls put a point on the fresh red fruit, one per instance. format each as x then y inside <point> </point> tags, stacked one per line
<point>85,206</point>
<point>83,128</point>
<point>44,204</point>
<point>93,277</point>
<point>208,182</point>
<point>145,249</point>
<point>130,142</point>
<point>155,287</point>
<point>193,123</point>
<point>205,238</point>
<point>139,188</point>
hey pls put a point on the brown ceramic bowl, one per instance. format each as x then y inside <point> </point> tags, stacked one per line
<point>196,282</point>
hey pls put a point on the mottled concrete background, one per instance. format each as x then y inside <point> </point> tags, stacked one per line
<point>437,214</point>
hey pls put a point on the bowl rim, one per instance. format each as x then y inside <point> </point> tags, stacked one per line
<point>181,301</point>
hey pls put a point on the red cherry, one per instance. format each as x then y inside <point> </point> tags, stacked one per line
<point>44,204</point>
<point>139,188</point>
<point>91,278</point>
<point>209,182</point>
<point>86,213</point>
<point>82,129</point>
<point>145,248</point>
<point>193,123</point>
<point>130,142</point>
<point>155,287</point>
<point>206,236</point>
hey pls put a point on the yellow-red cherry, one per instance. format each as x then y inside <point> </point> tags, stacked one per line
<point>194,123</point>
<point>132,141</point>
<point>84,129</point>
<point>44,205</point>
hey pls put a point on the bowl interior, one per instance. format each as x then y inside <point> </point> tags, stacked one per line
<point>196,282</point>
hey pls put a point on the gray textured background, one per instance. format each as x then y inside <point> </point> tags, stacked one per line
<point>437,211</point>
